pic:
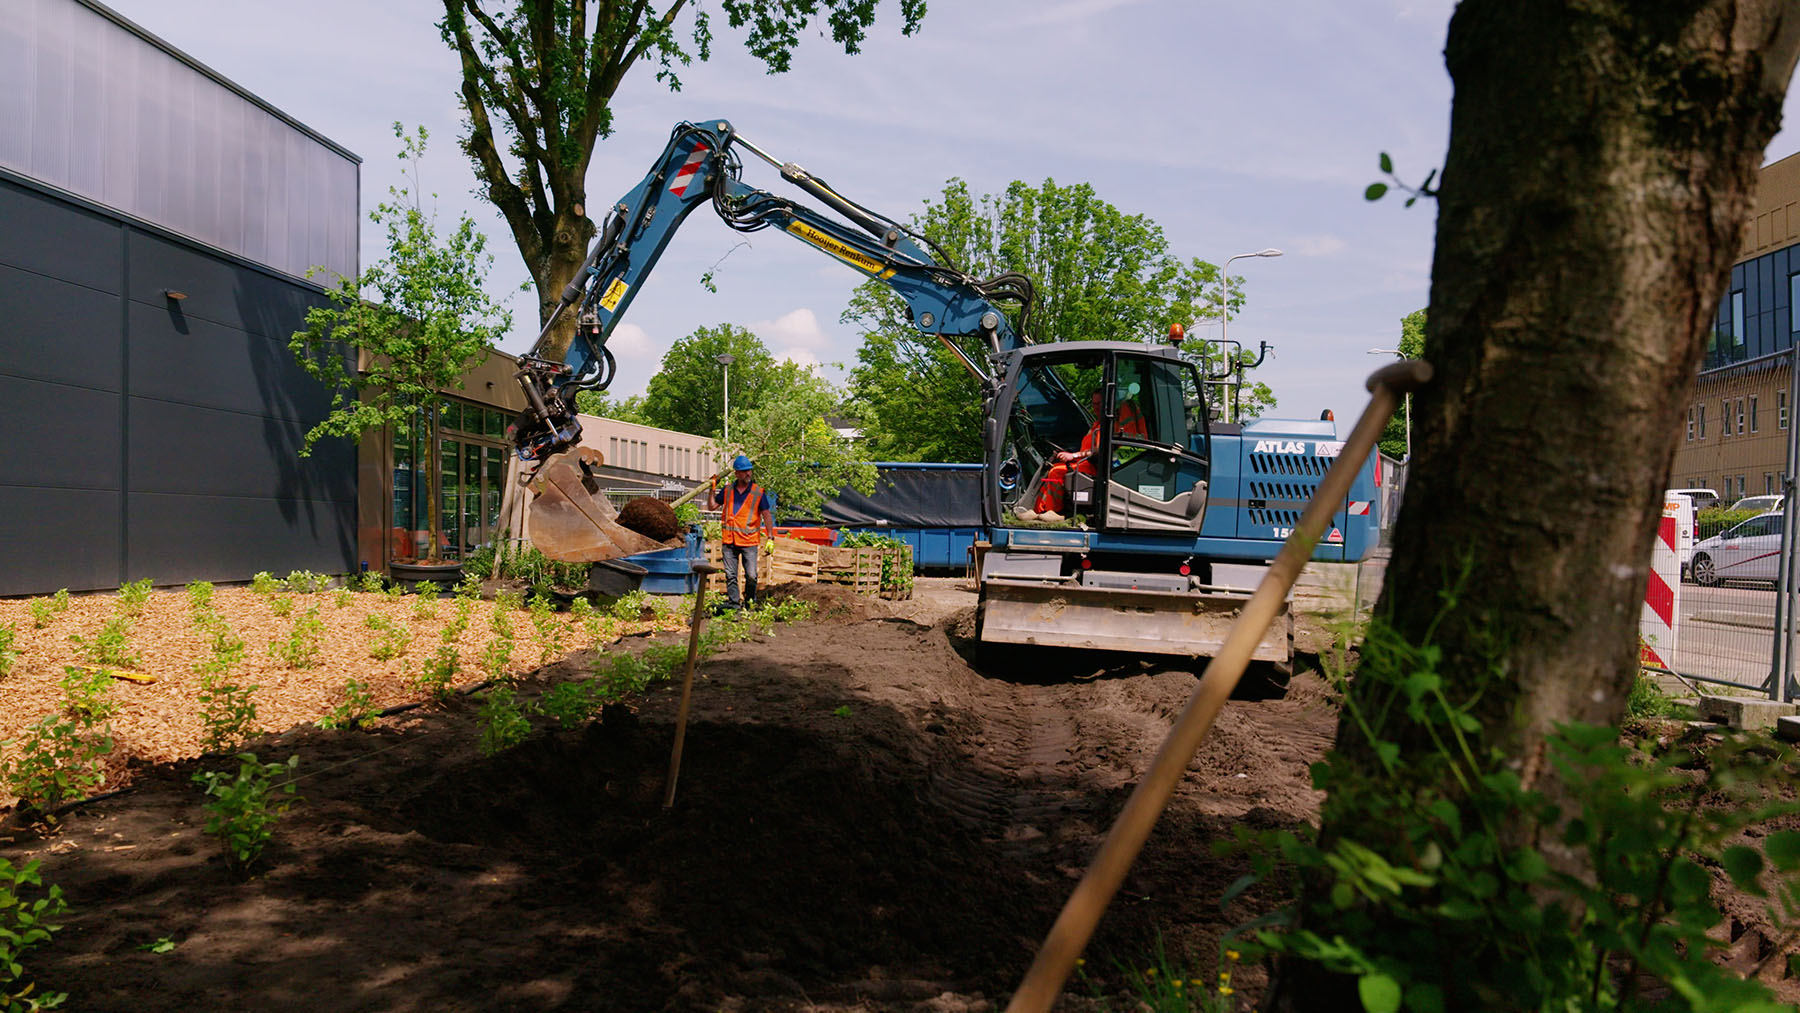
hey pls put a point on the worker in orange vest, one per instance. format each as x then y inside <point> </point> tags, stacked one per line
<point>1052,491</point>
<point>747,516</point>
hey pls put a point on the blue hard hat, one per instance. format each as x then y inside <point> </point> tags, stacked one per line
<point>742,463</point>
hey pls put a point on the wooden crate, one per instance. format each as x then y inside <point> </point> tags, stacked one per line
<point>898,583</point>
<point>792,561</point>
<point>857,569</point>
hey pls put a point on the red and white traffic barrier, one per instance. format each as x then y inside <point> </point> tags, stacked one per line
<point>1657,633</point>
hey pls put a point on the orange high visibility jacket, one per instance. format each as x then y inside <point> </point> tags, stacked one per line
<point>741,517</point>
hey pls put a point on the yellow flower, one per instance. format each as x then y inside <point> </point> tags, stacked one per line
<point>1224,977</point>
<point>1196,982</point>
<point>1231,954</point>
<point>1079,962</point>
<point>1224,989</point>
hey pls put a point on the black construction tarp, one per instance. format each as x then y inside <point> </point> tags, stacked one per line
<point>911,496</point>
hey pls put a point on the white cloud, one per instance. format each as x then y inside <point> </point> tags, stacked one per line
<point>794,330</point>
<point>798,356</point>
<point>1318,246</point>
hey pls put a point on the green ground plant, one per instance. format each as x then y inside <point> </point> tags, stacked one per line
<point>301,647</point>
<point>133,597</point>
<point>281,605</point>
<point>200,596</point>
<point>369,581</point>
<point>264,582</point>
<point>225,649</point>
<point>227,712</point>
<point>61,599</point>
<point>497,654</point>
<point>8,656</point>
<point>243,807</point>
<point>41,612</point>
<point>470,585</point>
<point>390,639</point>
<point>572,703</point>
<point>425,601</point>
<point>356,710</point>
<point>630,606</point>
<point>111,645</point>
<point>306,582</point>
<point>28,913</point>
<point>1430,907</point>
<point>437,673</point>
<point>1163,984</point>
<point>504,723</point>
<point>87,694</point>
<point>62,755</point>
<point>1647,700</point>
<point>550,628</point>
<point>342,597</point>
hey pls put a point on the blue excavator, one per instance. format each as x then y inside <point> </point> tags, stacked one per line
<point>1108,491</point>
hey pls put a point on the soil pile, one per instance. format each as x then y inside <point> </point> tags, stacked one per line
<point>651,517</point>
<point>863,822</point>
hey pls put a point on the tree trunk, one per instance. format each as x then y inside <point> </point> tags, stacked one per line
<point>1602,161</point>
<point>552,272</point>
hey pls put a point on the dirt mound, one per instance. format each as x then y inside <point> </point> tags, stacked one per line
<point>650,517</point>
<point>832,603</point>
<point>863,822</point>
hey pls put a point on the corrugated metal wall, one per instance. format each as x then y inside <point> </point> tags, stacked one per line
<point>148,437</point>
<point>114,116</point>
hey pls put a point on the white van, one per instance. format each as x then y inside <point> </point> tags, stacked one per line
<point>1686,525</point>
<point>1704,499</point>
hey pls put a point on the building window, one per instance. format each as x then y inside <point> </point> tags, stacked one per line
<point>1740,416</point>
<point>1781,409</point>
<point>1768,482</point>
<point>1690,428</point>
<point>1737,320</point>
<point>1724,417</point>
<point>1741,492</point>
<point>1753,425</point>
<point>1702,411</point>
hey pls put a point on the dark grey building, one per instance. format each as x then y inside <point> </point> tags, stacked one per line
<point>156,226</point>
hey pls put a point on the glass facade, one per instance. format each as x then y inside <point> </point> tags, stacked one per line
<point>1758,315</point>
<point>471,460</point>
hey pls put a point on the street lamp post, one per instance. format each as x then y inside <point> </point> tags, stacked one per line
<point>725,359</point>
<point>1225,313</point>
<point>1398,354</point>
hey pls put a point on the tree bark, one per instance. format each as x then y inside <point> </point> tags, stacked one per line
<point>1602,162</point>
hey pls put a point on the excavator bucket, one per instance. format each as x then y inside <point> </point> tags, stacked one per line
<point>571,519</point>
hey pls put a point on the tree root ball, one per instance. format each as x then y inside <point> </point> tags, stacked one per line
<point>650,517</point>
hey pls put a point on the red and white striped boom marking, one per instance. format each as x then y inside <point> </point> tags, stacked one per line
<point>685,174</point>
<point>1662,596</point>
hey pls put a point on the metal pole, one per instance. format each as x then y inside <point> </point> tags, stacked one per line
<point>727,419</point>
<point>1224,349</point>
<point>1782,673</point>
<point>1081,913</point>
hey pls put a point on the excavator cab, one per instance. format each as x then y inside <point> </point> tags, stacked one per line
<point>1098,434</point>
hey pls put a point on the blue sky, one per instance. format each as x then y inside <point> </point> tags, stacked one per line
<point>1235,126</point>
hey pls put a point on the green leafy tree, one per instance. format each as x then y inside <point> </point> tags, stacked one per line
<point>1412,346</point>
<point>688,393</point>
<point>1100,274</point>
<point>418,320</point>
<point>799,457</point>
<point>538,79</point>
<point>624,409</point>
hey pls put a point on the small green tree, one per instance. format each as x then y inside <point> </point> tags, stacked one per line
<point>687,393</point>
<point>1412,346</point>
<point>799,457</point>
<point>604,405</point>
<point>418,319</point>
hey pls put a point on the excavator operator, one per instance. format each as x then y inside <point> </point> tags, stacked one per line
<point>1053,492</point>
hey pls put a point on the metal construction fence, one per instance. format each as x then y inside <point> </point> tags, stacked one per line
<point>1738,587</point>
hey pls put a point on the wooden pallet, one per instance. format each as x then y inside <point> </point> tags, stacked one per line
<point>857,569</point>
<point>793,561</point>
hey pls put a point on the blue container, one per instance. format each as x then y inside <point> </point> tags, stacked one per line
<point>671,571</point>
<point>933,548</point>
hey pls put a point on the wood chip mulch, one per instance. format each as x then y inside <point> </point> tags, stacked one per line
<point>160,721</point>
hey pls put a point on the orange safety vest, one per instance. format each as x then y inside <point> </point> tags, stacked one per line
<point>742,519</point>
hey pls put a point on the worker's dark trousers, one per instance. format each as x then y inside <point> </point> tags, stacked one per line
<point>734,553</point>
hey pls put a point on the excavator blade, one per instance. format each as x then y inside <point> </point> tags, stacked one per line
<point>571,519</point>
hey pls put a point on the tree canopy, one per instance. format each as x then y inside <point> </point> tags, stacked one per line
<point>1100,274</point>
<point>538,78</point>
<point>1411,346</point>
<point>688,393</point>
<point>799,456</point>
